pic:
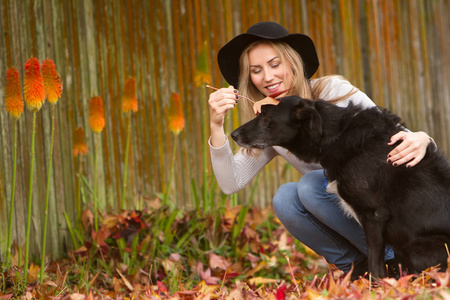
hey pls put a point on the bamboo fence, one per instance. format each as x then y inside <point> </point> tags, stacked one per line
<point>396,51</point>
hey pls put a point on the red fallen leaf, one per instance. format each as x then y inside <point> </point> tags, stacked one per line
<point>231,275</point>
<point>280,293</point>
<point>161,288</point>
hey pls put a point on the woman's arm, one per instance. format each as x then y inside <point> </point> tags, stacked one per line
<point>233,173</point>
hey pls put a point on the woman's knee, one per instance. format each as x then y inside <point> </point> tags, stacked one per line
<point>285,198</point>
<point>312,190</point>
<point>311,182</point>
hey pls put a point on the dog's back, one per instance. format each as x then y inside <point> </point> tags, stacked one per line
<point>408,208</point>
<point>412,204</point>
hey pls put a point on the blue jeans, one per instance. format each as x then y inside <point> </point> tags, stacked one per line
<point>314,217</point>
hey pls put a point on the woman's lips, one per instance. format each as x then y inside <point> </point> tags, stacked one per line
<point>273,88</point>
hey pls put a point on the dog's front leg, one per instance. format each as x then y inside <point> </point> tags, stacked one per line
<point>373,229</point>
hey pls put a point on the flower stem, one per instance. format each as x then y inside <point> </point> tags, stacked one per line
<point>95,185</point>
<point>204,156</point>
<point>30,198</point>
<point>11,206</point>
<point>125,172</point>
<point>166,196</point>
<point>78,199</point>
<point>49,171</point>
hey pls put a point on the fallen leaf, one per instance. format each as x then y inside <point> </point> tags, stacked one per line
<point>216,261</point>
<point>33,271</point>
<point>253,259</point>
<point>206,275</point>
<point>170,266</point>
<point>282,243</point>
<point>127,283</point>
<point>161,288</point>
<point>175,257</point>
<point>280,295</point>
<point>90,296</point>
<point>205,289</point>
<point>262,280</point>
<point>87,219</point>
<point>77,296</point>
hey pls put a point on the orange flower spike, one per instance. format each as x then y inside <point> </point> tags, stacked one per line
<point>33,85</point>
<point>79,143</point>
<point>96,114</point>
<point>52,81</point>
<point>129,99</point>
<point>13,93</point>
<point>202,74</point>
<point>176,118</point>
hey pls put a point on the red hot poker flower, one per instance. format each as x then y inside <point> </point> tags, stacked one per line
<point>52,81</point>
<point>79,144</point>
<point>13,93</point>
<point>33,85</point>
<point>176,118</point>
<point>129,99</point>
<point>96,114</point>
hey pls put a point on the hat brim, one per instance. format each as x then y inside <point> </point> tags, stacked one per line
<point>228,56</point>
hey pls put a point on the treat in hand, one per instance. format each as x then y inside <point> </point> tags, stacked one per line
<point>271,99</point>
<point>268,100</point>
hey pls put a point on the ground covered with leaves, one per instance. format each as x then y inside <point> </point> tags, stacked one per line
<point>233,253</point>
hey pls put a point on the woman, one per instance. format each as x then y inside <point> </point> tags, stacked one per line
<point>266,60</point>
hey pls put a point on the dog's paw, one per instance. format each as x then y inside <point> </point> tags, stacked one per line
<point>268,100</point>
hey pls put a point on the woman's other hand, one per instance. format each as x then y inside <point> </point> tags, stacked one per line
<point>411,150</point>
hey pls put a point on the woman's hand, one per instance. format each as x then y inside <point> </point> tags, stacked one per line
<point>411,150</point>
<point>220,102</point>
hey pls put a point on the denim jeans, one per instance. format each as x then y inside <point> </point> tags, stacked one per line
<point>314,217</point>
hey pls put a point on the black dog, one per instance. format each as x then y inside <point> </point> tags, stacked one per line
<point>408,208</point>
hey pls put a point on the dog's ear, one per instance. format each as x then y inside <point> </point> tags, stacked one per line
<point>307,116</point>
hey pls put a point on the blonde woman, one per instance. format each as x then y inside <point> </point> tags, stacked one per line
<point>265,60</point>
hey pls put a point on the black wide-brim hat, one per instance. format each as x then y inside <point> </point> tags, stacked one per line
<point>229,54</point>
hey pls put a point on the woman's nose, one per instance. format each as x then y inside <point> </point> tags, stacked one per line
<point>268,75</point>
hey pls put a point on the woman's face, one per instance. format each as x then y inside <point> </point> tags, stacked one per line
<point>267,72</point>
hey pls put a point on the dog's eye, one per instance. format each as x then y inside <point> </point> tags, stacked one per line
<point>266,120</point>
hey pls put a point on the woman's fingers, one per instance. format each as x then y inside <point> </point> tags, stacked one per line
<point>221,101</point>
<point>411,150</point>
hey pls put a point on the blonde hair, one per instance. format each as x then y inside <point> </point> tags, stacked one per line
<point>301,86</point>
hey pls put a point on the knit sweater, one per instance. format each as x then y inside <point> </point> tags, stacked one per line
<point>234,172</point>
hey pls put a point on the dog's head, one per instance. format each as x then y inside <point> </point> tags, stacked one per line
<point>294,124</point>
